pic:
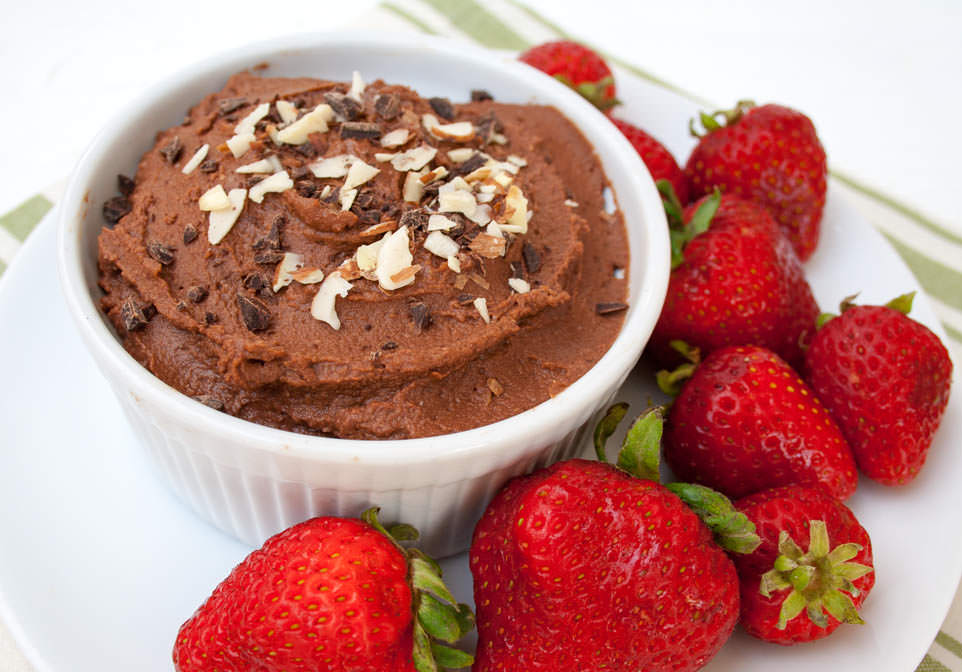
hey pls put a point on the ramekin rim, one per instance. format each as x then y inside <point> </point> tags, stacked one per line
<point>540,419</point>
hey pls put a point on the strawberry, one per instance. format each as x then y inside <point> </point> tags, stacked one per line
<point>735,281</point>
<point>770,155</point>
<point>814,557</point>
<point>576,66</point>
<point>885,378</point>
<point>585,566</point>
<point>745,422</point>
<point>659,161</point>
<point>328,594</point>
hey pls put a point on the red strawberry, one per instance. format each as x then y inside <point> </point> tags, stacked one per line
<point>659,161</point>
<point>737,283</point>
<point>577,66</point>
<point>885,378</point>
<point>328,594</point>
<point>770,155</point>
<point>814,556</point>
<point>746,422</point>
<point>582,566</point>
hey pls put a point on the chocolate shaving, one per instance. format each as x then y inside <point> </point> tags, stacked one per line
<point>160,253</point>
<point>476,161</point>
<point>532,260</point>
<point>228,105</point>
<point>272,241</point>
<point>388,106</point>
<point>197,293</point>
<point>517,270</point>
<point>172,150</point>
<point>300,173</point>
<point>209,166</point>
<point>360,129</point>
<point>273,115</point>
<point>343,106</point>
<point>208,400</point>
<point>190,234</point>
<point>365,200</point>
<point>305,188</point>
<point>421,315</point>
<point>487,126</point>
<point>210,318</point>
<point>255,314</point>
<point>133,316</point>
<point>610,307</point>
<point>368,217</point>
<point>269,257</point>
<point>255,282</point>
<point>306,149</point>
<point>125,185</point>
<point>416,220</point>
<point>478,95</point>
<point>465,299</point>
<point>443,107</point>
<point>390,345</point>
<point>115,208</point>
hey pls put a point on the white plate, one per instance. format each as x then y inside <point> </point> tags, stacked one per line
<point>99,564</point>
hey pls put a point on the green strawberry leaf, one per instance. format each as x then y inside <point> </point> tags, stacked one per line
<point>465,619</point>
<point>697,225</point>
<point>848,302</point>
<point>902,303</point>
<point>422,654</point>
<point>731,528</point>
<point>701,220</point>
<point>816,578</point>
<point>641,451</point>
<point>426,578</point>
<point>454,659</point>
<point>404,532</point>
<point>673,207</point>
<point>711,122</point>
<point>606,427</point>
<point>824,318</point>
<point>439,620</point>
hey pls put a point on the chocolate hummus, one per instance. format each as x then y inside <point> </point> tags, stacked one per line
<point>354,260</point>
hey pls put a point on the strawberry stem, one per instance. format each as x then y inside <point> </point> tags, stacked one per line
<point>731,528</point>
<point>719,118</point>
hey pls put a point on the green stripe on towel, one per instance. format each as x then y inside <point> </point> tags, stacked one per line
<point>409,17</point>
<point>21,220</point>
<point>949,643</point>
<point>940,281</point>
<point>481,25</point>
<point>930,664</point>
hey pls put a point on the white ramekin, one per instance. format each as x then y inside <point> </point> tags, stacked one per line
<point>252,481</point>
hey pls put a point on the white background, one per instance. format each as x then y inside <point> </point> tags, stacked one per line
<point>881,79</point>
